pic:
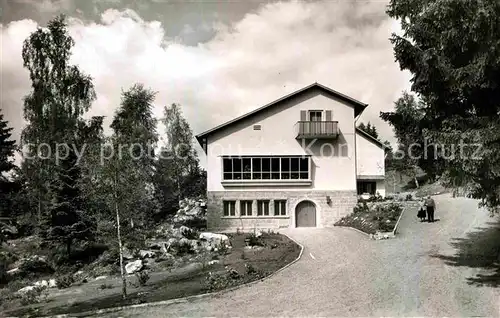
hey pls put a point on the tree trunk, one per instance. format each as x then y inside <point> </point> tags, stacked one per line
<point>39,213</point>
<point>118,234</point>
<point>68,247</point>
<point>416,182</point>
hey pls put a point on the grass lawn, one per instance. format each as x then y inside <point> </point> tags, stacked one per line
<point>373,217</point>
<point>240,264</point>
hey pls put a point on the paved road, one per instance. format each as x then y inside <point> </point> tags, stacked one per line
<point>342,273</point>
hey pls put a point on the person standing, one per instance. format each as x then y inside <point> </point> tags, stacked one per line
<point>421,211</point>
<point>431,207</point>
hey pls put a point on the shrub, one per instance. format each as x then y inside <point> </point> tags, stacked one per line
<point>250,269</point>
<point>361,208</point>
<point>217,281</point>
<point>253,240</point>
<point>183,247</point>
<point>34,266</point>
<point>409,197</point>
<point>222,248</point>
<point>142,278</point>
<point>65,281</point>
<point>105,286</point>
<point>34,296</point>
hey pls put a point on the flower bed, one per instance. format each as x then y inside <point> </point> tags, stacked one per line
<point>373,217</point>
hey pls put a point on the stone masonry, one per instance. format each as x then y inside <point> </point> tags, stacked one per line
<point>342,203</point>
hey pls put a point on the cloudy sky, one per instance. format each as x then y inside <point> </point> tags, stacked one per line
<point>218,59</point>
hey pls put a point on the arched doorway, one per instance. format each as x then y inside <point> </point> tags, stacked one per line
<point>305,214</point>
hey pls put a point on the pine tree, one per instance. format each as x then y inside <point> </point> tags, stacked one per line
<point>53,109</point>
<point>7,146</point>
<point>7,149</point>
<point>66,221</point>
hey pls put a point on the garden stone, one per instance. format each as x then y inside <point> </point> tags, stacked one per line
<point>52,283</point>
<point>134,266</point>
<point>25,290</point>
<point>214,239</point>
<point>146,254</point>
<point>42,283</point>
<point>127,254</point>
<point>14,271</point>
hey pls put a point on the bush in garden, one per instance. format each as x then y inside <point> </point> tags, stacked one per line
<point>142,278</point>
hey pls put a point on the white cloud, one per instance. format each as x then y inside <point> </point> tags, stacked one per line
<point>270,53</point>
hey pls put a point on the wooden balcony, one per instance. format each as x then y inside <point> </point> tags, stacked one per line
<point>317,129</point>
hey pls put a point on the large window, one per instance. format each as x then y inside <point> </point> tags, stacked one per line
<point>262,207</point>
<point>369,187</point>
<point>266,168</point>
<point>229,208</point>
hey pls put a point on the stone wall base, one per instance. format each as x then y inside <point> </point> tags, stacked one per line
<point>341,204</point>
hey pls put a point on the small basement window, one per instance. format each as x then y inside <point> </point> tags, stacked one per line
<point>280,207</point>
<point>262,207</point>
<point>257,127</point>
<point>246,208</point>
<point>229,208</point>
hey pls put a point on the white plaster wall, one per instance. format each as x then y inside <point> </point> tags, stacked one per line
<point>370,159</point>
<point>330,171</point>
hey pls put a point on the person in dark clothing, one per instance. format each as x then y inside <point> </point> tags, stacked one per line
<point>431,206</point>
<point>421,211</point>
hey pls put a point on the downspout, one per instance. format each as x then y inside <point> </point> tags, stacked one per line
<point>356,156</point>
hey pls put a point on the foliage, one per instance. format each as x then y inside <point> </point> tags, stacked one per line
<point>414,150</point>
<point>369,129</point>
<point>35,266</point>
<point>221,280</point>
<point>33,296</point>
<point>60,95</point>
<point>65,281</point>
<point>178,173</point>
<point>253,240</point>
<point>222,249</point>
<point>142,277</point>
<point>451,48</point>
<point>182,247</point>
<point>7,148</point>
<point>105,286</point>
<point>66,221</point>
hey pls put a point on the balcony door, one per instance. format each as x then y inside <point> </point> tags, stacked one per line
<point>315,115</point>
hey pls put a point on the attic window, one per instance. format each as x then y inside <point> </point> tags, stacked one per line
<point>256,127</point>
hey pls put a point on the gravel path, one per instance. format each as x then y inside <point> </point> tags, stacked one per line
<point>342,273</point>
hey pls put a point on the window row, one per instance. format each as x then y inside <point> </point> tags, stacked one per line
<point>246,208</point>
<point>266,168</point>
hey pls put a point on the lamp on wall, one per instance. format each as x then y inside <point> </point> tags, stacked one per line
<point>328,199</point>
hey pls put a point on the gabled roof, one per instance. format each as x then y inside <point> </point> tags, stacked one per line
<point>358,107</point>
<point>370,138</point>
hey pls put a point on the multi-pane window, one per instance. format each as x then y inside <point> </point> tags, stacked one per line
<point>229,208</point>
<point>262,207</point>
<point>279,207</point>
<point>245,208</point>
<point>315,115</point>
<point>266,168</point>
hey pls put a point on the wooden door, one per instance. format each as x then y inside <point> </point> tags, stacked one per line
<point>305,214</point>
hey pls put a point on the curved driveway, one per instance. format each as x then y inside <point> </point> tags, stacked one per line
<point>343,273</point>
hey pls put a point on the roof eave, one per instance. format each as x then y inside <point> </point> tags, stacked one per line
<point>359,107</point>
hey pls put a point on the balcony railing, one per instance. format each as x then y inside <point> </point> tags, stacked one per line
<point>317,129</point>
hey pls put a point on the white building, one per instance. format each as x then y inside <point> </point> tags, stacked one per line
<point>299,161</point>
